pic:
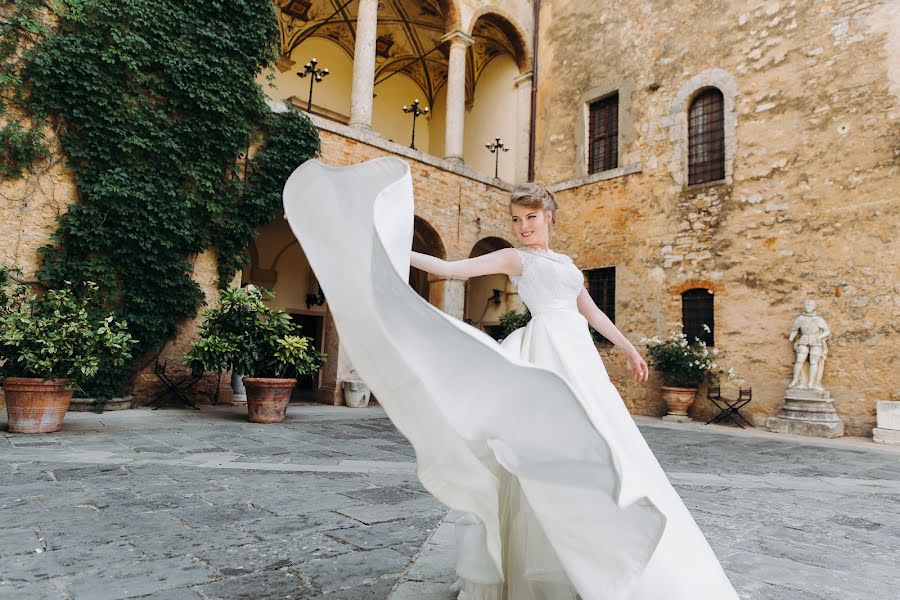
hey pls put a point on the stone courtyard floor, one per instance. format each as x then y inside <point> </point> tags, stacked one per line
<point>194,505</point>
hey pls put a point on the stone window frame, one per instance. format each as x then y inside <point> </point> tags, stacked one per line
<point>627,131</point>
<point>678,128</point>
<point>606,100</point>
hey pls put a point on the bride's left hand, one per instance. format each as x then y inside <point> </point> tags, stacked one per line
<point>638,366</point>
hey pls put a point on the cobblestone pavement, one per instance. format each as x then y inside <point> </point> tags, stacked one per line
<point>186,505</point>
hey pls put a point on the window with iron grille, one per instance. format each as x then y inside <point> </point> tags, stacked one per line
<point>603,134</point>
<point>696,311</point>
<point>706,137</point>
<point>602,288</point>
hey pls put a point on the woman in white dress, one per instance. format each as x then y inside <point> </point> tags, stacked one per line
<point>561,494</point>
<point>557,338</point>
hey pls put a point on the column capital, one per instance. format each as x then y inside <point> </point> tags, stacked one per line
<point>523,78</point>
<point>458,37</point>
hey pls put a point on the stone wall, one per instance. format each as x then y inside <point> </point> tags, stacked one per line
<point>809,208</point>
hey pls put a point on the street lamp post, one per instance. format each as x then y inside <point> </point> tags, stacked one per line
<point>316,76</point>
<point>495,149</point>
<point>416,112</point>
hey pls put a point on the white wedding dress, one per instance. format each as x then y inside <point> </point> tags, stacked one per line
<point>530,439</point>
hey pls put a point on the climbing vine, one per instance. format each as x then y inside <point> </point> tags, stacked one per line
<point>159,107</point>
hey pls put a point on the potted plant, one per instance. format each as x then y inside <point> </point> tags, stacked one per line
<point>512,320</point>
<point>49,344</point>
<point>684,366</point>
<point>245,336</point>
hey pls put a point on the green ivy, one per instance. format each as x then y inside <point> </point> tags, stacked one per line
<point>159,106</point>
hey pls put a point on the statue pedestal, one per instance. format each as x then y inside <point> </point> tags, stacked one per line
<point>807,412</point>
<point>888,423</point>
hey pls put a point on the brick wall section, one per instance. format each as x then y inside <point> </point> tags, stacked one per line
<point>462,210</point>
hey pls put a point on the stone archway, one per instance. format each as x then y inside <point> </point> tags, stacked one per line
<point>427,241</point>
<point>488,296</point>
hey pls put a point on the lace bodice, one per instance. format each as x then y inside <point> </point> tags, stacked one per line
<point>549,281</point>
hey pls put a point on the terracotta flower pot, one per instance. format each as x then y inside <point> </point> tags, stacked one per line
<point>267,398</point>
<point>35,405</point>
<point>678,400</point>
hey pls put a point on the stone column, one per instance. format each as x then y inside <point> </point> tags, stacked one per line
<point>337,366</point>
<point>449,295</point>
<point>364,65</point>
<point>456,94</point>
<point>523,125</point>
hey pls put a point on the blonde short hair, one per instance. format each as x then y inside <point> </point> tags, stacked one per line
<point>534,194</point>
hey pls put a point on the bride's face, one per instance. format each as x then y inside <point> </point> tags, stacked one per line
<point>530,225</point>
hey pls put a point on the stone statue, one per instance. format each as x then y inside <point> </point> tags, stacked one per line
<point>809,334</point>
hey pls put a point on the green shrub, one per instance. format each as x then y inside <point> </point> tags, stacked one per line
<point>512,320</point>
<point>57,335</point>
<point>174,150</point>
<point>246,336</point>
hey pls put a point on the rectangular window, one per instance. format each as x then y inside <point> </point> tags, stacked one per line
<point>697,315</point>
<point>603,134</point>
<point>602,288</point>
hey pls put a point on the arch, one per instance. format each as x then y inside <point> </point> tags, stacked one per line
<point>486,296</point>
<point>505,23</point>
<point>488,245</point>
<point>678,130</point>
<point>706,136</point>
<point>406,31</point>
<point>281,252</point>
<point>427,241</point>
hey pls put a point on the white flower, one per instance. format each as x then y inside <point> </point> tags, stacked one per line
<point>706,328</point>
<point>715,351</point>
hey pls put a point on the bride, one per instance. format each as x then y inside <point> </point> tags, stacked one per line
<point>557,338</point>
<point>561,496</point>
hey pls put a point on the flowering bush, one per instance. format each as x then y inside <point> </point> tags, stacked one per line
<point>683,363</point>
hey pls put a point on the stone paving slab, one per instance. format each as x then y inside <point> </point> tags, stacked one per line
<point>201,505</point>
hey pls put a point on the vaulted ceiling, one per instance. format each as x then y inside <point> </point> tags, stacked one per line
<point>408,38</point>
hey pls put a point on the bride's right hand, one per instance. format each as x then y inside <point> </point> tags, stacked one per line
<point>639,369</point>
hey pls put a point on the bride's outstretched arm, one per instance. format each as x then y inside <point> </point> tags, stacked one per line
<point>505,261</point>
<point>599,321</point>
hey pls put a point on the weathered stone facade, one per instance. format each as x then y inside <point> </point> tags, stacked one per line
<point>809,206</point>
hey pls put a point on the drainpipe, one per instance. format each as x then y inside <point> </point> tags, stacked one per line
<point>534,80</point>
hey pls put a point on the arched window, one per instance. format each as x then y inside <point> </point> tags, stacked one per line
<point>706,137</point>
<point>697,311</point>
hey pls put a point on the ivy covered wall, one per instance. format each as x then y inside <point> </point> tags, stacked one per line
<point>166,131</point>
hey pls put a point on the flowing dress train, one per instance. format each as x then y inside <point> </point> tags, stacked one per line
<point>530,439</point>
